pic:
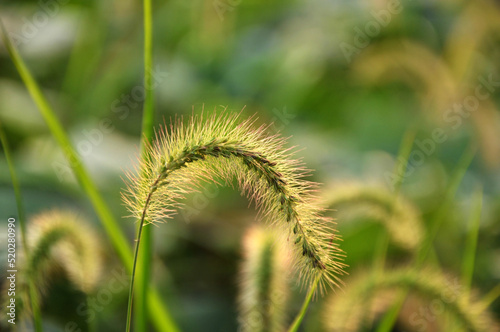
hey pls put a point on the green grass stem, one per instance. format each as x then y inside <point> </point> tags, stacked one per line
<point>390,317</point>
<point>403,155</point>
<point>146,253</point>
<point>157,310</point>
<point>380,255</point>
<point>300,317</point>
<point>33,297</point>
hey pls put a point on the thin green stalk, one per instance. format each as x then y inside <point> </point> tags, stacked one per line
<point>145,255</point>
<point>37,315</point>
<point>427,248</point>
<point>403,156</point>
<point>438,219</point>
<point>298,320</point>
<point>148,115</point>
<point>379,259</point>
<point>380,255</point>
<point>57,130</point>
<point>471,242</point>
<point>131,289</point>
<point>136,252</point>
<point>16,186</point>
<point>157,310</point>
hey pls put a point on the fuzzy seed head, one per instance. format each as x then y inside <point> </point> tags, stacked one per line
<point>400,218</point>
<point>64,238</point>
<point>58,240</point>
<point>265,275</point>
<point>218,149</point>
<point>369,294</point>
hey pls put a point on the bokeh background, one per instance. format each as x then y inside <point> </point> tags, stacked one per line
<point>344,79</point>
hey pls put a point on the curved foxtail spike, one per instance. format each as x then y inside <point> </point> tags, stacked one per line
<point>65,238</point>
<point>400,218</point>
<point>217,148</point>
<point>372,293</point>
<point>264,281</point>
<point>59,239</point>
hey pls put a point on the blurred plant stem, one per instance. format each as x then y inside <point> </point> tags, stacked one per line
<point>390,317</point>
<point>37,315</point>
<point>158,312</point>
<point>402,164</point>
<point>298,320</point>
<point>403,156</point>
<point>145,255</point>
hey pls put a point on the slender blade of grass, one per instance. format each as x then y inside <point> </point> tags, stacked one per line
<point>157,310</point>
<point>37,314</point>
<point>146,252</point>
<point>380,256</point>
<point>427,247</point>
<point>438,219</point>
<point>403,156</point>
<point>16,186</point>
<point>117,237</point>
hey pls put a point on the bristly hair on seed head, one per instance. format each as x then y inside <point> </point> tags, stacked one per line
<point>218,148</point>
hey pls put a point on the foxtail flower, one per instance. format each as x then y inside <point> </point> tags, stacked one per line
<point>58,239</point>
<point>264,281</point>
<point>401,218</point>
<point>348,311</point>
<point>220,148</point>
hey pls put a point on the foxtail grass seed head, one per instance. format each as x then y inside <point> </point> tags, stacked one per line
<point>64,238</point>
<point>218,148</point>
<point>399,217</point>
<point>58,240</point>
<point>347,311</point>
<point>264,280</point>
